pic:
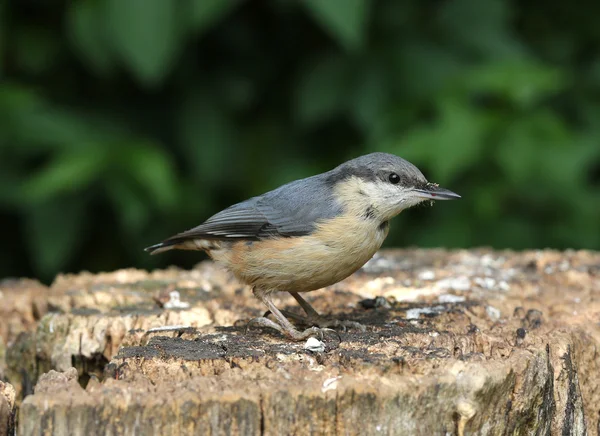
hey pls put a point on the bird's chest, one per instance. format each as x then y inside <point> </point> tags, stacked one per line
<point>336,249</point>
<point>353,240</point>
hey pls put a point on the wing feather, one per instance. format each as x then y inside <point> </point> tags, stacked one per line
<point>291,210</point>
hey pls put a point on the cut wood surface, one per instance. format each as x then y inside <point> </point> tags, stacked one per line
<point>456,342</point>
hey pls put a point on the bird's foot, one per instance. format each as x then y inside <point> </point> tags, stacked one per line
<point>291,333</point>
<point>320,321</point>
<point>314,319</point>
<point>335,323</point>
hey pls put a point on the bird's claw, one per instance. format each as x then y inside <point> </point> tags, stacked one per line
<point>318,332</point>
<point>293,334</point>
<point>263,322</point>
<point>343,325</point>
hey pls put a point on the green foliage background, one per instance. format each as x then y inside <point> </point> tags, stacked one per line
<point>125,121</point>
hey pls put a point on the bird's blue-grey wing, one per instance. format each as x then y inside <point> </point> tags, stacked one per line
<point>291,210</point>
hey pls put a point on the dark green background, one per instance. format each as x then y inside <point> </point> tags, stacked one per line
<point>125,121</point>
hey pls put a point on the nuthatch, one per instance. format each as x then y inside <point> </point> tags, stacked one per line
<point>310,233</point>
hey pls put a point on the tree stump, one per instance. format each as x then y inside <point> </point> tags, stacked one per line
<point>7,409</point>
<point>456,342</point>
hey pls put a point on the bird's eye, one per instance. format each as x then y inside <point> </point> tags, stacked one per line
<point>394,178</point>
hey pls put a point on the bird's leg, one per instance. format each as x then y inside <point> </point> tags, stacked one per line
<point>282,325</point>
<point>310,311</point>
<point>313,317</point>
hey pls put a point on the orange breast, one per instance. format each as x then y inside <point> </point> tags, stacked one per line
<point>335,250</point>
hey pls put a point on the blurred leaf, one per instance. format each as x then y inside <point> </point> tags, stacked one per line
<point>453,229</point>
<point>369,96</point>
<point>68,172</point>
<point>234,92</point>
<point>37,49</point>
<point>10,177</point>
<point>421,69</point>
<point>584,217</point>
<point>133,211</point>
<point>206,13</point>
<point>524,83</point>
<point>529,139</point>
<point>345,20</point>
<point>509,232</point>
<point>460,141</point>
<point>481,25</point>
<point>451,145</point>
<point>487,199</point>
<point>87,34</point>
<point>393,17</point>
<point>151,168</point>
<point>51,249</point>
<point>14,101</point>
<point>208,139</point>
<point>56,129</point>
<point>146,35</point>
<point>3,37</point>
<point>34,124</point>
<point>323,90</point>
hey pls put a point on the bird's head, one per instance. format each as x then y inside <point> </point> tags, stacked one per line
<point>386,183</point>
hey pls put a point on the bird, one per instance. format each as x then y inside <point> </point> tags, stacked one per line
<point>310,233</point>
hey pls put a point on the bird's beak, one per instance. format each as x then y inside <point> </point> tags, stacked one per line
<point>436,193</point>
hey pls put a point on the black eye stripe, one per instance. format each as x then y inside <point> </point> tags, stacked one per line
<point>394,178</point>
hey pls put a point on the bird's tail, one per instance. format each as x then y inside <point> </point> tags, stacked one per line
<point>181,243</point>
<point>161,247</point>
